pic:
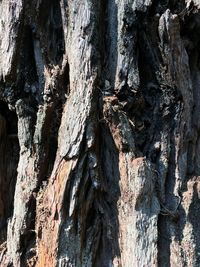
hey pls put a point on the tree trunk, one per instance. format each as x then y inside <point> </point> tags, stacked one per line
<point>99,133</point>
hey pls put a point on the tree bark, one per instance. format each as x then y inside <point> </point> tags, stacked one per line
<point>99,133</point>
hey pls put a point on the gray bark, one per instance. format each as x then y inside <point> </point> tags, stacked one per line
<point>99,133</point>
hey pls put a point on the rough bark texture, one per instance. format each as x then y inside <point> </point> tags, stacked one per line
<point>99,133</point>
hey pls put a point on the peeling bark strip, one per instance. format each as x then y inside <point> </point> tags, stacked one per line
<point>99,133</point>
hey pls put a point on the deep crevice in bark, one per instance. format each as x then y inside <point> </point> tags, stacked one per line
<point>29,76</point>
<point>9,150</point>
<point>52,36</point>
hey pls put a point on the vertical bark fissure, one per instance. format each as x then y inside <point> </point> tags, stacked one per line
<point>9,159</point>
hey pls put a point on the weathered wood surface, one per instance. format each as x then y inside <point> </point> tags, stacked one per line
<point>99,133</point>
